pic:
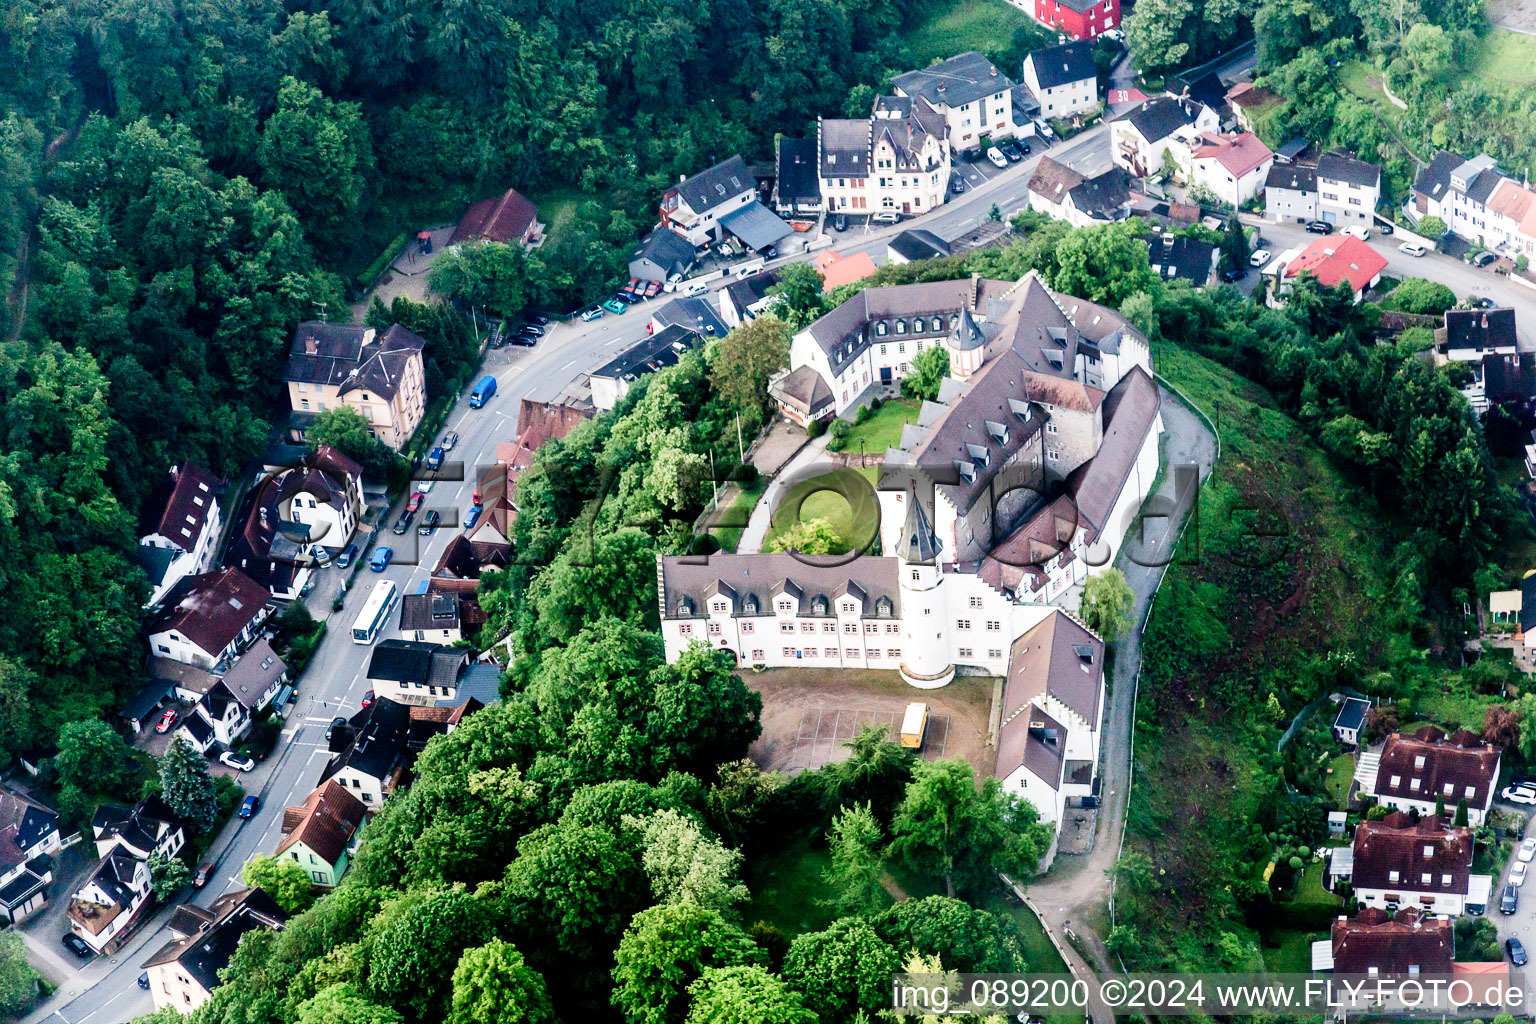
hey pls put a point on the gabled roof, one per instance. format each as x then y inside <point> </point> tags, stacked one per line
<point>759,578</point>
<point>1480,329</point>
<point>797,170</point>
<point>667,249</point>
<point>803,389</point>
<point>207,951</point>
<point>1130,410</point>
<point>325,822</point>
<point>1053,180</point>
<point>429,611</point>
<point>692,313</point>
<point>211,608</point>
<point>1372,944</point>
<point>401,661</point>
<point>1434,761</point>
<point>837,270</point>
<point>186,507</point>
<point>24,825</point>
<point>660,350</point>
<point>1435,179</point>
<point>378,744</point>
<point>1295,177</point>
<point>919,244</point>
<point>1240,153</point>
<point>1338,165</point>
<point>1064,64</point>
<point>1160,117</point>
<point>1105,196</point>
<point>1060,657</point>
<point>746,292</point>
<point>1396,854</point>
<point>352,357</point>
<point>254,673</point>
<point>963,78</point>
<point>722,182</point>
<point>504,218</point>
<point>1182,257</point>
<point>1335,258</point>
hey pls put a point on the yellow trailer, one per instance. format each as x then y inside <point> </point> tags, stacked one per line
<point>913,724</point>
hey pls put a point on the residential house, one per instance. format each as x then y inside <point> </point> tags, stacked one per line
<point>322,833</point>
<point>1425,864</point>
<point>1290,193</point>
<point>972,96</point>
<point>181,537</point>
<point>691,313</point>
<point>320,501</point>
<point>1063,194</point>
<point>105,910</point>
<point>217,720</point>
<point>208,618</point>
<point>432,618</point>
<point>150,826</point>
<point>1049,737</point>
<point>1080,19</point>
<point>1232,167</point>
<point>915,244</point>
<point>382,742</point>
<point>1181,258</point>
<point>1432,188</point>
<point>1377,944</point>
<point>611,381</point>
<point>1477,202</point>
<point>897,160</point>
<point>29,837</point>
<point>1206,88</point>
<point>1246,101</point>
<point>837,270</point>
<point>662,255</point>
<point>1141,141</point>
<point>1486,339</point>
<point>1348,190</point>
<point>1413,773</point>
<point>745,297</point>
<point>185,971</point>
<point>796,186</point>
<point>416,672</point>
<point>509,218</point>
<point>256,676</point>
<point>1349,723</point>
<point>1331,259</point>
<point>1063,79</point>
<point>1512,219</point>
<point>696,207</point>
<point>381,377</point>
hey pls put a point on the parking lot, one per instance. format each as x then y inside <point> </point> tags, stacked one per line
<point>975,172</point>
<point>809,714</point>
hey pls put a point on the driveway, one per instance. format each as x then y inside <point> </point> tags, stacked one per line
<point>1070,896</point>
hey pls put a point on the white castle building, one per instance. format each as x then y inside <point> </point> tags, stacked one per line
<point>1024,477</point>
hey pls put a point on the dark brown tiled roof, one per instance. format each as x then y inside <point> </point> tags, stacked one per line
<point>1129,410</point>
<point>325,822</point>
<point>504,218</point>
<point>1053,180</point>
<point>186,510</point>
<point>1060,657</point>
<point>211,608</point>
<point>1025,551</point>
<point>1371,945</point>
<point>1395,844</point>
<point>763,576</point>
<point>1462,761</point>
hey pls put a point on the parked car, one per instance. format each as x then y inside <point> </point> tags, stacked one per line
<point>1528,850</point>
<point>885,217</point>
<point>1484,258</point>
<point>1362,233</point>
<point>235,761</point>
<point>613,306</point>
<point>1259,258</point>
<point>249,804</point>
<point>204,872</point>
<point>143,979</point>
<point>1412,249</point>
<point>523,340</point>
<point>336,723</point>
<point>450,441</point>
<point>347,555</point>
<point>1234,274</point>
<point>1516,951</point>
<point>380,560</point>
<point>1517,873</point>
<point>167,720</point>
<point>1509,901</point>
<point>840,222</point>
<point>1518,794</point>
<point>595,313</point>
<point>1044,130</point>
<point>532,330</point>
<point>1013,154</point>
<point>78,946</point>
<point>957,184</point>
<point>1319,227</point>
<point>1024,145</point>
<point>1385,228</point>
<point>403,523</point>
<point>368,695</point>
<point>429,522</point>
<point>542,319</point>
<point>632,297</point>
<point>435,458</point>
<point>996,156</point>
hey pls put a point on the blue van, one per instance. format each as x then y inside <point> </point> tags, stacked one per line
<point>483,392</point>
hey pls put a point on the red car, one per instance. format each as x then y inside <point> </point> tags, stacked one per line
<point>415,502</point>
<point>367,698</point>
<point>652,289</point>
<point>167,720</point>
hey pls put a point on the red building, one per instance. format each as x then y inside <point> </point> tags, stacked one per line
<point>1079,19</point>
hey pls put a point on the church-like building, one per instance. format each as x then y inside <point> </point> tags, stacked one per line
<point>1024,477</point>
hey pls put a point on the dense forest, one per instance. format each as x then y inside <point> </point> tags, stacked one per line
<point>182,182</point>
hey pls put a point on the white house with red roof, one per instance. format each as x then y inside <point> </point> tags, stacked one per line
<point>181,530</point>
<point>1330,259</point>
<point>1231,166</point>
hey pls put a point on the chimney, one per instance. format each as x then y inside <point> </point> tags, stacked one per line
<point>1485,321</point>
<point>941,87</point>
<point>310,348</point>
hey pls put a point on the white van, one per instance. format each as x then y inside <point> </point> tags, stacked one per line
<point>1357,231</point>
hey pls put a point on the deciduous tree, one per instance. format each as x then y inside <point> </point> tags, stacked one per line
<point>284,880</point>
<point>740,365</point>
<point>842,970</point>
<point>928,370</point>
<point>748,994</point>
<point>493,984</point>
<point>664,950</point>
<point>167,875</point>
<point>1106,604</point>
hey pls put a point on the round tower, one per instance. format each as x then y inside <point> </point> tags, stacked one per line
<point>967,347</point>
<point>925,661</point>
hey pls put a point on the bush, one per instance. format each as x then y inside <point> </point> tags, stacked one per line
<point>745,475</point>
<point>876,402</point>
<point>372,272</point>
<point>227,794</point>
<point>864,413</point>
<point>816,428</point>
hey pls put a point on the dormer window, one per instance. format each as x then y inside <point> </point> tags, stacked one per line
<point>1418,762</point>
<point>901,327</point>
<point>1020,409</point>
<point>999,432</point>
<point>880,328</point>
<point>884,607</point>
<point>967,470</point>
<point>819,606</point>
<point>938,325</point>
<point>979,455</point>
<point>750,606</point>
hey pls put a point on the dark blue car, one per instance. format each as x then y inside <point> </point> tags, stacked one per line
<point>248,805</point>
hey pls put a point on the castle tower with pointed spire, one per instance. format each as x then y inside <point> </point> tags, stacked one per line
<point>967,347</point>
<point>925,659</point>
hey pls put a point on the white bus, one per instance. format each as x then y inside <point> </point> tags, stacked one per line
<point>375,611</point>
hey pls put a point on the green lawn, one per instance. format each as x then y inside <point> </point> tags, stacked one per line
<point>557,209</point>
<point>985,25</point>
<point>1343,774</point>
<point>1292,954</point>
<point>787,888</point>
<point>1505,56</point>
<point>1456,710</point>
<point>882,430</point>
<point>1362,81</point>
<point>733,518</point>
<point>832,497</point>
